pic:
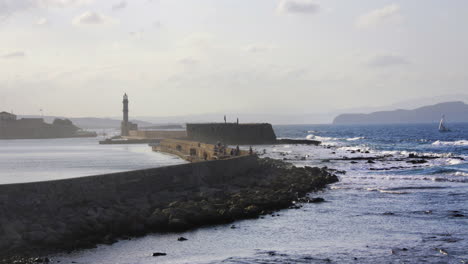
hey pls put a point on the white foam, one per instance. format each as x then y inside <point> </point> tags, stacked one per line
<point>460,173</point>
<point>354,138</point>
<point>392,192</point>
<point>319,138</point>
<point>361,148</point>
<point>454,161</point>
<point>451,143</point>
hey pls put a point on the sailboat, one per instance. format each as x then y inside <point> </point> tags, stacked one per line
<point>442,127</point>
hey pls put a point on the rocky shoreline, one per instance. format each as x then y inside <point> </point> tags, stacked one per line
<point>272,186</point>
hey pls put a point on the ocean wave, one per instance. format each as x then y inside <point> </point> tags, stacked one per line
<point>451,143</point>
<point>454,161</point>
<point>354,138</point>
<point>320,138</point>
<point>360,148</point>
<point>461,173</point>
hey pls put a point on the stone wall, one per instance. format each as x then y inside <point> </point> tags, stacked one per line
<point>156,134</point>
<point>194,151</point>
<point>60,213</point>
<point>232,133</point>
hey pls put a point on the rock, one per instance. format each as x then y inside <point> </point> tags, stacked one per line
<point>317,200</point>
<point>158,254</point>
<point>251,210</point>
<point>177,224</point>
<point>235,212</point>
<point>233,227</point>
<point>181,239</point>
<point>388,213</point>
<point>37,236</point>
<point>353,162</point>
<point>370,161</point>
<point>421,161</point>
<point>442,251</point>
<point>458,215</point>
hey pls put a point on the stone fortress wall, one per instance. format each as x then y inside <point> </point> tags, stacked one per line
<point>232,133</point>
<point>156,134</point>
<point>194,151</point>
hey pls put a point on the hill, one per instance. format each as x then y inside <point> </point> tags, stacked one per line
<point>454,112</point>
<point>91,122</point>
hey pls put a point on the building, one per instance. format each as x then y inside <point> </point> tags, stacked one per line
<point>126,126</point>
<point>5,116</point>
<point>232,133</point>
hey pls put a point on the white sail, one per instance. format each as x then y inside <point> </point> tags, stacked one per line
<point>442,127</point>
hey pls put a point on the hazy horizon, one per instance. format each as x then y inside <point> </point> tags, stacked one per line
<point>76,58</point>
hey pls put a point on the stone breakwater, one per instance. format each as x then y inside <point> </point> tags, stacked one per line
<point>46,217</point>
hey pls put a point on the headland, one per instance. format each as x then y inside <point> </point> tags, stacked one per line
<point>36,128</point>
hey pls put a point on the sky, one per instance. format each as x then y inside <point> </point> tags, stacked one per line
<point>78,57</point>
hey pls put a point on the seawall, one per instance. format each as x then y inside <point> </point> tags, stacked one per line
<point>62,215</point>
<point>44,214</point>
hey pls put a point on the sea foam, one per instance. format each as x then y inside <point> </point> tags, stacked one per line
<point>451,143</point>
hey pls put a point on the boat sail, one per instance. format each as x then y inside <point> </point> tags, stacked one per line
<point>442,127</point>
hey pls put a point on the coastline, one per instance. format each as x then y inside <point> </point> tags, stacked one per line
<point>270,185</point>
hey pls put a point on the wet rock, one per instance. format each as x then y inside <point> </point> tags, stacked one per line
<point>388,213</point>
<point>158,254</point>
<point>442,251</point>
<point>182,239</point>
<point>458,215</point>
<point>370,161</point>
<point>252,210</point>
<point>421,161</point>
<point>177,224</point>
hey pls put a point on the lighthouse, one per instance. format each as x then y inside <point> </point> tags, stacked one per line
<point>125,124</point>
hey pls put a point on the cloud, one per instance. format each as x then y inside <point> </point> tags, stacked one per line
<point>188,61</point>
<point>256,48</point>
<point>13,55</point>
<point>157,24</point>
<point>388,61</point>
<point>9,7</point>
<point>120,5</point>
<point>61,3</point>
<point>92,18</point>
<point>379,16</point>
<point>42,21</point>
<point>298,7</point>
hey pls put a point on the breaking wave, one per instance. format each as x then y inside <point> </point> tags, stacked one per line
<point>314,137</point>
<point>451,143</point>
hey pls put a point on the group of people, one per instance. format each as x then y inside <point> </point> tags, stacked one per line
<point>221,149</point>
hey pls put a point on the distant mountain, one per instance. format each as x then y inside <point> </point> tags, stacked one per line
<point>91,122</point>
<point>453,111</point>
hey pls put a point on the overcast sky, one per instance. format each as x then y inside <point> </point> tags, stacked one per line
<point>174,57</point>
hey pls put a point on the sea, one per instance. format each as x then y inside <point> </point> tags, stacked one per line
<point>384,209</point>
